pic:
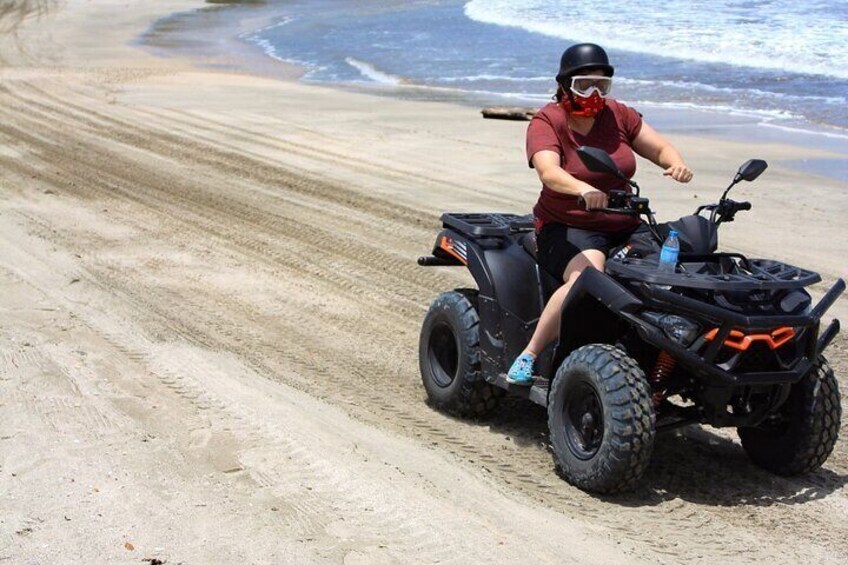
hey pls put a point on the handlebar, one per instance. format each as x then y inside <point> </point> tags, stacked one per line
<point>628,204</point>
<point>625,211</point>
<point>725,210</point>
<point>622,202</point>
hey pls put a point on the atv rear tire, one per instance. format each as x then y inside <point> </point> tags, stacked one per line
<point>449,356</point>
<point>801,436</point>
<point>601,420</point>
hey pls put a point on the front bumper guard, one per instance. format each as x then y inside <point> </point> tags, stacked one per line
<point>704,365</point>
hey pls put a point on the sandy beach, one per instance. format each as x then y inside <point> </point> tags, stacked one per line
<point>210,314</point>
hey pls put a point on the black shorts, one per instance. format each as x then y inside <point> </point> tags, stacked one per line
<point>557,244</point>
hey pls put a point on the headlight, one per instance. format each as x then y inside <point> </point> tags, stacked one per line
<point>679,329</point>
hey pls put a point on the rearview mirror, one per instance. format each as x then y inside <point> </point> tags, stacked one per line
<point>751,169</point>
<point>599,161</point>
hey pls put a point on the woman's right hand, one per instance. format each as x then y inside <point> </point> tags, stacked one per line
<point>593,198</point>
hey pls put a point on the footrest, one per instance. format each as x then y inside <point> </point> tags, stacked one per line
<point>537,392</point>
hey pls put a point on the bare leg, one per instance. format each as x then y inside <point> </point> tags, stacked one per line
<point>548,327</point>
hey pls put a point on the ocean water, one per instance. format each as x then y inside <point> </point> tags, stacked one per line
<point>778,62</point>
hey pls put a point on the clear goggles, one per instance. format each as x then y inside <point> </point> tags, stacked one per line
<point>585,85</point>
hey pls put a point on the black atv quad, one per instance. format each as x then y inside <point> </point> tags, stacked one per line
<point>725,340</point>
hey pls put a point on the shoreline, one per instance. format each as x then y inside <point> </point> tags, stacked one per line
<point>185,33</point>
<point>716,123</point>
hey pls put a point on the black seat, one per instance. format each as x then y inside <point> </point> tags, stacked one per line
<point>528,242</point>
<point>548,282</point>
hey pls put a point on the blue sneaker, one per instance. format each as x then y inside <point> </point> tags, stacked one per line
<point>521,372</point>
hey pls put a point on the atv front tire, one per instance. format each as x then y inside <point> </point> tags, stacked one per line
<point>449,356</point>
<point>601,420</point>
<point>800,437</point>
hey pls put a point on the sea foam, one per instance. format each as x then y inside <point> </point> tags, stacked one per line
<point>804,37</point>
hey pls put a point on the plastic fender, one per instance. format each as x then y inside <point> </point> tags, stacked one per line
<point>517,291</point>
<point>510,295</point>
<point>592,313</point>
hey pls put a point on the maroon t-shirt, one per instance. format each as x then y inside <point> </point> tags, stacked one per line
<point>615,128</point>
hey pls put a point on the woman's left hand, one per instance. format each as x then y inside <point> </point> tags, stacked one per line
<point>679,172</point>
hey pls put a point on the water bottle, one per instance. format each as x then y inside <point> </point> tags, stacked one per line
<point>669,253</point>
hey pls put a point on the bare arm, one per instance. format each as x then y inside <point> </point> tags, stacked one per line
<point>657,149</point>
<point>557,179</point>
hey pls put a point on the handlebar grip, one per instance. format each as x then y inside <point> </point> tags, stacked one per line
<point>582,202</point>
<point>625,211</point>
<point>743,206</point>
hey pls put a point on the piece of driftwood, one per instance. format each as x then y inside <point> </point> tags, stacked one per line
<point>509,113</point>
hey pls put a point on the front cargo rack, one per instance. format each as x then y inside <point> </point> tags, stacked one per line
<point>716,271</point>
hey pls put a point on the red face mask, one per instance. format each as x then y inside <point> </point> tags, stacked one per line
<point>585,106</point>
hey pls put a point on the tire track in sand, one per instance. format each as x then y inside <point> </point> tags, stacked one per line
<point>528,470</point>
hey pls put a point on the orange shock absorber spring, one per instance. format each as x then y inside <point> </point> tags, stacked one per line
<point>660,374</point>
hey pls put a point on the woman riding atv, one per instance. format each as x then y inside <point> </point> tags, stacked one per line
<point>570,236</point>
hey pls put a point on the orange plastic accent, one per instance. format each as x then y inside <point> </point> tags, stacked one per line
<point>739,341</point>
<point>447,244</point>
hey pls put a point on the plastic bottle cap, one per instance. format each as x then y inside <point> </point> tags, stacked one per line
<point>672,233</point>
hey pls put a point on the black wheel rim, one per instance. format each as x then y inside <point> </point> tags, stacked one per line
<point>583,420</point>
<point>443,354</point>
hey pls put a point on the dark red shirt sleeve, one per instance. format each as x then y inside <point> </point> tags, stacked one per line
<point>541,136</point>
<point>630,122</point>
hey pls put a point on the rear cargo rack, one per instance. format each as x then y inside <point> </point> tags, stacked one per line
<point>488,224</point>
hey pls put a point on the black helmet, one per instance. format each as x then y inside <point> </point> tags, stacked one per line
<point>583,56</point>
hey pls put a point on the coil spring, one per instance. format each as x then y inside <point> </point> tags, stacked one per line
<point>659,376</point>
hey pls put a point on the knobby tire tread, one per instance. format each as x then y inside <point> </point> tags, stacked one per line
<point>473,397</point>
<point>625,455</point>
<point>809,441</point>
